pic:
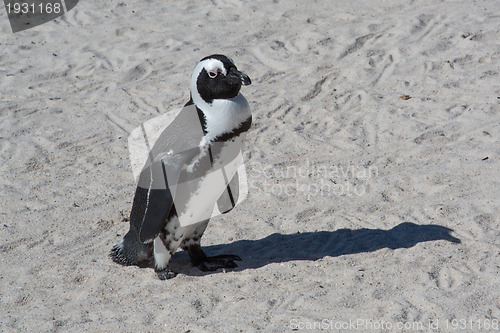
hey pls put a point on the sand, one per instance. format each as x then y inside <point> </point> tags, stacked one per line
<point>373,167</point>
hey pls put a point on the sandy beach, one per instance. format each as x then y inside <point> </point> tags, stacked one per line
<point>372,164</point>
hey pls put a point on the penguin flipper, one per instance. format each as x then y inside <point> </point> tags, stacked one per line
<point>159,205</point>
<point>155,205</point>
<point>228,199</point>
<point>152,202</point>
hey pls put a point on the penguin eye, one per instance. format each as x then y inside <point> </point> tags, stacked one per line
<point>212,73</point>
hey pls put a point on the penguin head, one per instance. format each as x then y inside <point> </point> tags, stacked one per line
<point>216,77</point>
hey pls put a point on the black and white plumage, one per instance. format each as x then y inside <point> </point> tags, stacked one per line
<point>209,130</point>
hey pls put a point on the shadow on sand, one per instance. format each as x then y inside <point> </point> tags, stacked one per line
<point>277,248</point>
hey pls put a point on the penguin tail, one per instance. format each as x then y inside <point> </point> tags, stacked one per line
<point>118,255</point>
<point>128,252</point>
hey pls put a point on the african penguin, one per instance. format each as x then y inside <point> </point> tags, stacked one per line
<point>205,136</point>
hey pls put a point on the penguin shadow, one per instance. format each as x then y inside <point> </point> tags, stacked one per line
<point>278,248</point>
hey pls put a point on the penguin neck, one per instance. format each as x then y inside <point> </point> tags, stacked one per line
<point>221,116</point>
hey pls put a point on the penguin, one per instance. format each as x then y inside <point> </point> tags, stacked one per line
<point>175,193</point>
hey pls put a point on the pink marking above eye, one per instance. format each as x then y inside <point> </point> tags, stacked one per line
<point>212,73</point>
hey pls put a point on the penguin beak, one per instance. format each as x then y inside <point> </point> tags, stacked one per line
<point>236,77</point>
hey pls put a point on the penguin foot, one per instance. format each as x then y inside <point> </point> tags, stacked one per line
<point>166,274</point>
<point>211,264</point>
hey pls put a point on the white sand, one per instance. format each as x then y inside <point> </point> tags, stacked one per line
<point>327,81</point>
